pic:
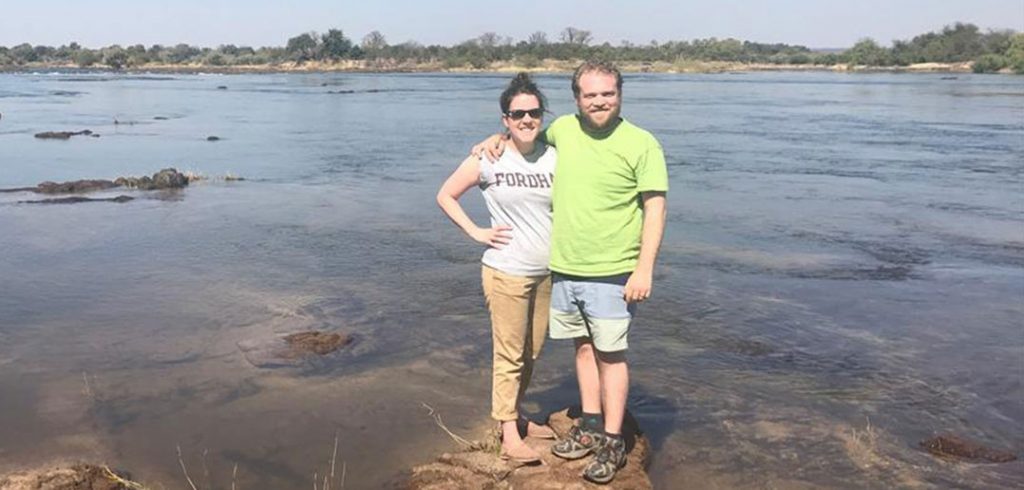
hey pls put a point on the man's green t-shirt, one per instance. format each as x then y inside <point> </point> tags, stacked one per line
<point>597,211</point>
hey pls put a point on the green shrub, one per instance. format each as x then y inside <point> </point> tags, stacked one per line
<point>989,63</point>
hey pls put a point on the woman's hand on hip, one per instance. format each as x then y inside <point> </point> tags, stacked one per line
<point>495,237</point>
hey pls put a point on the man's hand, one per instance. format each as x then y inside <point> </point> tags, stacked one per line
<point>496,237</point>
<point>492,147</point>
<point>638,287</point>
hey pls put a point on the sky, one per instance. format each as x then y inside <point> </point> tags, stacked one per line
<point>812,23</point>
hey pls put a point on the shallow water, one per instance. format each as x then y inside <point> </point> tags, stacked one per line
<point>842,276</point>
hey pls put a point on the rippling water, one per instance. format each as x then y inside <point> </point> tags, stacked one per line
<point>842,276</point>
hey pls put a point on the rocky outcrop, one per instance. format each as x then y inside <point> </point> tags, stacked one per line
<point>76,477</point>
<point>480,467</point>
<point>167,178</point>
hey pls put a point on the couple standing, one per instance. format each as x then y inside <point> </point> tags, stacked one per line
<point>594,219</point>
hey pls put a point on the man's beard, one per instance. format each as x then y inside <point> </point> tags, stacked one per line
<point>613,117</point>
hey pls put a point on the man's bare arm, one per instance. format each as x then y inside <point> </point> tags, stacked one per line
<point>490,148</point>
<point>638,287</point>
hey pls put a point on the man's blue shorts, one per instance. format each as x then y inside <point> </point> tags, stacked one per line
<point>591,307</point>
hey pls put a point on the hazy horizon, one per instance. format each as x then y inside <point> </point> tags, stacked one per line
<point>817,25</point>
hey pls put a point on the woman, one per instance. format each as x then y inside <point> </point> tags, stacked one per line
<point>516,282</point>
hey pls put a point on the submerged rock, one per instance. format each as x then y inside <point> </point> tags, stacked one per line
<point>63,135</point>
<point>73,187</point>
<point>213,138</point>
<point>319,343</point>
<point>78,199</point>
<point>76,477</point>
<point>481,467</point>
<point>951,446</point>
<point>292,349</point>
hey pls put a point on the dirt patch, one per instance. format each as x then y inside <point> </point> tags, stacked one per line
<point>951,446</point>
<point>479,466</point>
<point>76,477</point>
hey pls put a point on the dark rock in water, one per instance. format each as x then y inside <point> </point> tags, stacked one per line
<point>213,138</point>
<point>74,187</point>
<point>167,178</point>
<point>78,199</point>
<point>313,342</point>
<point>222,87</point>
<point>160,118</point>
<point>951,446</point>
<point>61,135</point>
<point>292,349</point>
<point>479,466</point>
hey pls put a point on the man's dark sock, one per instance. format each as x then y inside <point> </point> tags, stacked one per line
<point>592,421</point>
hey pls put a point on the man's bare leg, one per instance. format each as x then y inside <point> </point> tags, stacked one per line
<point>614,382</point>
<point>588,377</point>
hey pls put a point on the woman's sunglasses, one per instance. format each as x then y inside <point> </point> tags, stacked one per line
<point>519,113</point>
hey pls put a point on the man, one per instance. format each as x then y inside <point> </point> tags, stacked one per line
<point>608,217</point>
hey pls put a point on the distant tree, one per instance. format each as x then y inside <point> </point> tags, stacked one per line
<point>115,57</point>
<point>302,47</point>
<point>334,45</point>
<point>488,40</point>
<point>989,63</point>
<point>1015,53</point>
<point>137,55</point>
<point>538,38</point>
<point>180,53</point>
<point>572,35</point>
<point>44,53</point>
<point>867,52</point>
<point>23,53</point>
<point>228,50</point>
<point>86,58</point>
<point>374,42</point>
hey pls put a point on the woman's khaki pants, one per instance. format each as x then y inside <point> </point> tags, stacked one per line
<point>519,322</point>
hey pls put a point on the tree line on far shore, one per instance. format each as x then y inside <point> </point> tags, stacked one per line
<point>990,51</point>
